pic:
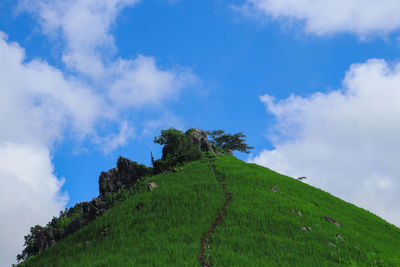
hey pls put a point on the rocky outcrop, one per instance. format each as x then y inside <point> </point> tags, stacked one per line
<point>199,137</point>
<point>74,226</point>
<point>39,239</point>
<point>124,175</point>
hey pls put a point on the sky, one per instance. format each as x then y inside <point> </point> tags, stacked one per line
<point>314,86</point>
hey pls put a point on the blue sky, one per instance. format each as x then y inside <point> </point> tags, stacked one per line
<point>315,88</point>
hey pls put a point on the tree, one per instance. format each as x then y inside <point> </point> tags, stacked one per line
<point>229,142</point>
<point>178,148</point>
<point>172,140</point>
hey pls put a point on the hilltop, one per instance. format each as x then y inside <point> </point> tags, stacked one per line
<point>200,206</point>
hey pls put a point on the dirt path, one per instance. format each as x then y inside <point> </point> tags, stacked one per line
<point>205,246</point>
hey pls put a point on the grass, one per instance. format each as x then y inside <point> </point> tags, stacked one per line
<point>166,231</point>
<point>259,228</point>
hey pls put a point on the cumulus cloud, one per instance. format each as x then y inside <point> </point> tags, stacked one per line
<point>346,141</point>
<point>85,26</point>
<point>322,17</point>
<point>41,99</point>
<point>29,195</point>
<point>90,50</point>
<point>37,103</point>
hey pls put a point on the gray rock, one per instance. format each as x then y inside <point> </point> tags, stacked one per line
<point>94,208</point>
<point>199,137</point>
<point>124,175</point>
<point>44,239</point>
<point>74,226</point>
<point>297,212</point>
<point>151,186</point>
<point>275,189</point>
<point>329,219</point>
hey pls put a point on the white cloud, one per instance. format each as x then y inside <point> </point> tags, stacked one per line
<point>167,120</point>
<point>90,50</point>
<point>29,194</point>
<point>37,104</point>
<point>360,17</point>
<point>112,142</point>
<point>347,141</point>
<point>36,100</point>
<point>85,26</point>
<point>140,82</point>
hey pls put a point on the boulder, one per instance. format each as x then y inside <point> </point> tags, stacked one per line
<point>297,212</point>
<point>329,219</point>
<point>199,137</point>
<point>151,186</point>
<point>275,189</point>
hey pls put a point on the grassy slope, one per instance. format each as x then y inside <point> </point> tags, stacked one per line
<point>259,227</point>
<point>166,231</point>
<point>258,230</point>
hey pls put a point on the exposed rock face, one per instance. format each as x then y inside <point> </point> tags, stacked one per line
<point>199,137</point>
<point>44,239</point>
<point>123,176</point>
<point>39,239</point>
<point>90,210</point>
<point>74,226</point>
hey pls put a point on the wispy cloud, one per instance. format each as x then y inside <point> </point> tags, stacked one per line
<point>91,50</point>
<point>325,17</point>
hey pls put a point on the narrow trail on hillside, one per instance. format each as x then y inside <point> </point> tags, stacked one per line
<point>205,246</point>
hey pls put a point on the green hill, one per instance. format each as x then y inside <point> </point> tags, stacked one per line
<point>221,211</point>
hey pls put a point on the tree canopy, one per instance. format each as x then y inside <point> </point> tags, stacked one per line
<point>229,142</point>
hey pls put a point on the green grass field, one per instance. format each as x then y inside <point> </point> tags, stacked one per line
<point>164,227</point>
